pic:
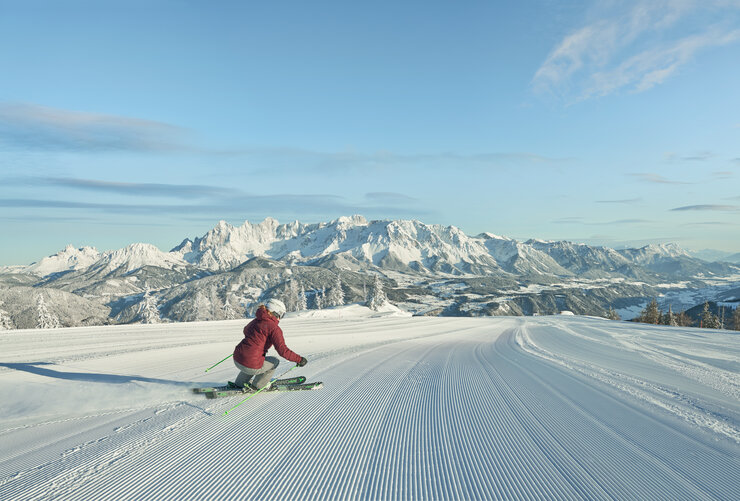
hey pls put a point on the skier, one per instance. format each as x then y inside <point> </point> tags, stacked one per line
<point>255,368</point>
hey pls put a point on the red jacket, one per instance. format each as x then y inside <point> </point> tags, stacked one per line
<point>259,335</point>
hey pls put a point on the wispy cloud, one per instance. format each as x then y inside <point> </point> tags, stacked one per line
<point>570,220</point>
<point>389,198</point>
<point>285,204</point>
<point>723,174</point>
<point>626,201</point>
<point>709,207</point>
<point>699,156</point>
<point>650,177</point>
<point>105,207</point>
<point>49,219</point>
<point>629,221</point>
<point>582,221</point>
<point>196,201</point>
<point>712,224</point>
<point>39,128</point>
<point>287,159</point>
<point>186,191</point>
<point>268,203</point>
<point>634,46</point>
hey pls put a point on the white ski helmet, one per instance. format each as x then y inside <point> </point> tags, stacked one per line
<point>276,306</point>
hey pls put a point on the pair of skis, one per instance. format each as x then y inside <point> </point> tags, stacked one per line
<point>288,384</point>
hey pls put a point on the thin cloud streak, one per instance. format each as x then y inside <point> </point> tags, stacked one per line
<point>389,197</point>
<point>650,177</point>
<point>712,224</point>
<point>38,128</point>
<point>187,191</point>
<point>699,157</point>
<point>724,174</point>
<point>581,221</point>
<point>709,207</point>
<point>206,201</point>
<point>292,159</point>
<point>278,204</point>
<point>627,201</point>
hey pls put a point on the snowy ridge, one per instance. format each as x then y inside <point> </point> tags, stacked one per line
<point>70,258</point>
<point>581,257</point>
<point>226,246</point>
<point>652,252</point>
<point>734,258</point>
<point>521,257</point>
<point>403,245</point>
<point>379,242</point>
<point>412,408</point>
<point>135,256</point>
<point>125,260</point>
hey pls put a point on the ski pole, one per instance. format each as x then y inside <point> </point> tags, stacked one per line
<point>214,365</point>
<point>260,390</point>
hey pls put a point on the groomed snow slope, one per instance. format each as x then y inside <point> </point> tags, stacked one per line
<point>412,408</point>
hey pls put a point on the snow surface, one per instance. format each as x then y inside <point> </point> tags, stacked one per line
<point>560,407</point>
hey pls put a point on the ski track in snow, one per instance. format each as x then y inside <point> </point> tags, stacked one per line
<point>422,408</point>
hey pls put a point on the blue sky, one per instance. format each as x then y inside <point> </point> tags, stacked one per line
<point>612,122</point>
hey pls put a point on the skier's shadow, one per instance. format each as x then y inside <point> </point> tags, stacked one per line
<point>35,368</point>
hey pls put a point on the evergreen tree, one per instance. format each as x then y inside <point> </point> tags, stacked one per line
<point>708,319</point>
<point>291,296</point>
<point>736,319</point>
<point>302,301</point>
<point>377,295</point>
<point>683,320</point>
<point>721,318</point>
<point>201,307</point>
<point>336,294</point>
<point>651,313</point>
<point>319,299</point>
<point>670,317</point>
<point>6,323</point>
<point>229,311</point>
<point>612,314</point>
<point>45,319</point>
<point>149,310</point>
<point>216,310</point>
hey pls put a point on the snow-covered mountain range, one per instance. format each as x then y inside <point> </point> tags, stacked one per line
<point>431,269</point>
<point>400,245</point>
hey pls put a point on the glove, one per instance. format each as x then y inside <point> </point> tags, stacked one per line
<point>302,362</point>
